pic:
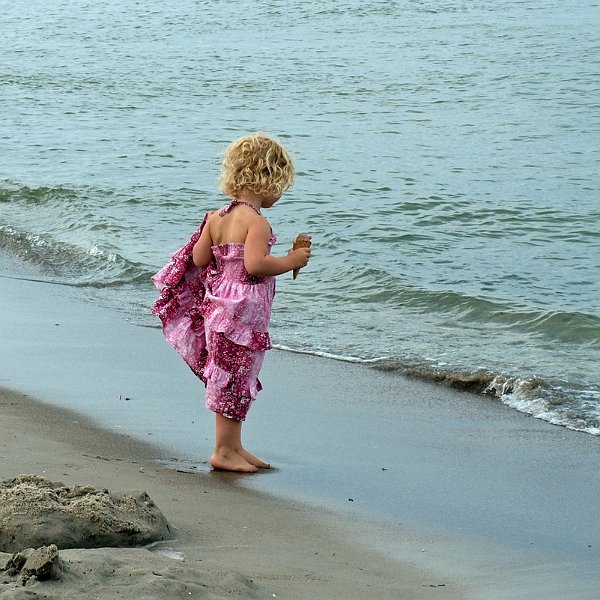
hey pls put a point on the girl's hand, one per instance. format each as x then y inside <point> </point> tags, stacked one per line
<point>299,257</point>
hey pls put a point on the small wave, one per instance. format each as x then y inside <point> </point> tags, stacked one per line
<point>37,195</point>
<point>576,409</point>
<point>563,405</point>
<point>470,382</point>
<point>370,285</point>
<point>556,405</point>
<point>70,264</point>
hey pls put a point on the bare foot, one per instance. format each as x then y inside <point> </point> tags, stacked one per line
<point>253,460</point>
<point>231,461</point>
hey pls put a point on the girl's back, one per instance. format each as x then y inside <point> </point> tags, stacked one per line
<point>230,224</point>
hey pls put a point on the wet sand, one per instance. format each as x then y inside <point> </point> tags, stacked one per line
<point>420,484</point>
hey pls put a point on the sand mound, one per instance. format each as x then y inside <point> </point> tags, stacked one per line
<point>128,573</point>
<point>92,523</point>
<point>35,512</point>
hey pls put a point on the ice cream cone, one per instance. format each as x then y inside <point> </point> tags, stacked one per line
<point>302,241</point>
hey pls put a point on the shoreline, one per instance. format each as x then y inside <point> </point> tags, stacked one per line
<point>423,475</point>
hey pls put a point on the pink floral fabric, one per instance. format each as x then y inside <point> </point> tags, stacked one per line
<point>217,318</point>
<point>179,305</point>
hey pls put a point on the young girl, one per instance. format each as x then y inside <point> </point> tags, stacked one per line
<point>216,311</point>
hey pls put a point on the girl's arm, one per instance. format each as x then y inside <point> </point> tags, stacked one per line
<point>257,260</point>
<point>202,251</point>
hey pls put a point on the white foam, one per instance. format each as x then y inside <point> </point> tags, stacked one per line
<point>110,256</point>
<point>330,355</point>
<point>528,395</point>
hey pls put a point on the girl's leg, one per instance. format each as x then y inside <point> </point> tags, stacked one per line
<point>228,444</point>
<point>244,365</point>
<point>228,448</point>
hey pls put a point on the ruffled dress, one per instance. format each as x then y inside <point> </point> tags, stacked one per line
<point>217,318</point>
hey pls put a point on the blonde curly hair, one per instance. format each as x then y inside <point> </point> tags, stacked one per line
<point>257,163</point>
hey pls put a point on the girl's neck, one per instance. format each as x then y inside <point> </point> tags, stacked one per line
<point>250,198</point>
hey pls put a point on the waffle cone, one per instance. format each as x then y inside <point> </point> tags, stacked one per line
<point>302,240</point>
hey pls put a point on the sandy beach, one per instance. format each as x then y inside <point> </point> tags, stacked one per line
<point>383,487</point>
<point>230,542</point>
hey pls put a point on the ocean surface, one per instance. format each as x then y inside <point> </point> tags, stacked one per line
<point>447,153</point>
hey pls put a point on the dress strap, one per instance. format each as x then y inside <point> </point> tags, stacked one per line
<point>233,204</point>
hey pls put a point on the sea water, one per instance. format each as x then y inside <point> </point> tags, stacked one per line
<point>447,153</point>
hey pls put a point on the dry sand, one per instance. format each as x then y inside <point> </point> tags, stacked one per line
<point>229,541</point>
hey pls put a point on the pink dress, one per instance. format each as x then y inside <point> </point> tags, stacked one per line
<point>217,318</point>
